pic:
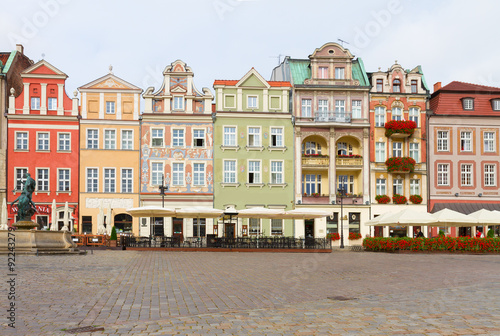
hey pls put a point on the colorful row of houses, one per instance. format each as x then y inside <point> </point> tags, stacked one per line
<point>321,133</point>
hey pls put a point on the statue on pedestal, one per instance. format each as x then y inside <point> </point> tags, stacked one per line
<point>26,207</point>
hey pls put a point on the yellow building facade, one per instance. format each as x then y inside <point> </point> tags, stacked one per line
<point>109,154</point>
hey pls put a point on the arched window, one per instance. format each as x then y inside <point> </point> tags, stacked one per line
<point>311,147</point>
<point>343,148</point>
<point>396,85</point>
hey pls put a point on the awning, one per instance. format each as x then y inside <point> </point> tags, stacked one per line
<point>465,208</point>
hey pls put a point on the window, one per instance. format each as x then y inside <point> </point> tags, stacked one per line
<point>414,187</point>
<point>109,180</point>
<point>414,87</point>
<point>466,174</point>
<point>229,136</point>
<point>251,102</point>
<point>323,72</point>
<point>253,136</point>
<point>64,142</point>
<point>489,141</point>
<point>381,190</point>
<point>156,173</point>
<point>254,226</point>
<point>22,140</point>
<point>489,175</point>
<point>332,224</point>
<point>354,221</point>
<point>35,103</point>
<point>230,171</point>
<point>110,107</point>
<point>92,180</point>
<point>340,106</point>
<point>356,109</point>
<point>396,85</point>
<point>276,172</point>
<point>276,226</point>
<point>413,114</point>
<point>87,224</point>
<point>178,103</point>
<point>379,116</point>
<point>339,73</point>
<point>63,180</point>
<point>442,174</point>
<point>199,227</point>
<point>157,137</point>
<point>312,184</point>
<point>306,107</point>
<point>397,186</point>
<point>343,148</point>
<point>178,138</point>
<point>442,141</point>
<point>397,113</point>
<point>52,104</point>
<point>109,139</point>
<point>253,171</point>
<point>127,139</point>
<point>414,152</point>
<point>42,179</point>
<point>397,149</point>
<point>92,139</point>
<point>346,183</point>
<point>199,174</point>
<point>277,137</point>
<point>468,103</point>
<point>126,183</point>
<point>198,138</point>
<point>20,177</point>
<point>495,104</point>
<point>322,105</point>
<point>311,147</point>
<point>380,85</point>
<point>178,174</point>
<point>466,141</point>
<point>380,152</point>
<point>43,141</point>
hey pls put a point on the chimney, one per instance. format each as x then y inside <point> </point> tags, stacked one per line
<point>437,86</point>
<point>20,48</point>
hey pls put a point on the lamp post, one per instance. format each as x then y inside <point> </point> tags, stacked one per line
<point>231,211</point>
<point>341,192</point>
<point>163,188</point>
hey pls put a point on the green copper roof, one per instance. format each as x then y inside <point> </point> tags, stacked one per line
<point>423,78</point>
<point>300,70</point>
<point>359,73</point>
<point>9,62</point>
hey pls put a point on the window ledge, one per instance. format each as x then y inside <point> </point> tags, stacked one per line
<point>272,148</point>
<point>63,151</point>
<point>21,150</point>
<point>235,148</point>
<point>235,185</point>
<point>42,192</point>
<point>63,192</point>
<point>43,151</point>
<point>254,148</point>
<point>278,185</point>
<point>260,185</point>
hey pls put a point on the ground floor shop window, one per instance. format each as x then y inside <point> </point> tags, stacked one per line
<point>199,227</point>
<point>43,221</point>
<point>86,224</point>
<point>254,226</point>
<point>354,221</point>
<point>332,223</point>
<point>276,226</point>
<point>157,227</point>
<point>123,223</point>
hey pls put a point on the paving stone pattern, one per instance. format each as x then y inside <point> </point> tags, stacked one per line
<point>200,293</point>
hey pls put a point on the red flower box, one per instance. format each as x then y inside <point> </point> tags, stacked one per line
<point>404,164</point>
<point>333,236</point>
<point>400,126</point>
<point>354,235</point>
<point>416,199</point>
<point>382,199</point>
<point>399,199</point>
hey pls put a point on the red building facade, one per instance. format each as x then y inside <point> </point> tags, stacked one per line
<point>43,135</point>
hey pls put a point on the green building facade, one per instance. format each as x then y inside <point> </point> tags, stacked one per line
<point>253,154</point>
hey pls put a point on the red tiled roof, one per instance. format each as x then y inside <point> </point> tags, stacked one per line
<point>234,82</point>
<point>462,86</point>
<point>4,56</point>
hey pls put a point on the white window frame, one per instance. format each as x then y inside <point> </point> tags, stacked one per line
<point>442,141</point>
<point>178,103</point>
<point>25,141</point>
<point>179,139</point>
<point>94,141</point>
<point>157,175</point>
<point>323,72</point>
<point>127,182</point>
<point>229,175</point>
<point>415,151</point>
<point>468,104</point>
<point>127,143</point>
<point>162,130</point>
<point>274,225</point>
<point>110,107</point>
<point>380,152</point>
<point>397,186</point>
<point>413,114</point>
<point>277,176</point>
<point>495,104</point>
<point>252,99</point>
<point>377,83</point>
<point>109,182</point>
<point>66,142</point>
<point>277,133</point>
<point>489,142</point>
<point>197,136</point>
<point>19,181</point>
<point>340,73</point>
<point>397,113</point>
<point>39,181</point>
<point>254,139</point>
<point>443,174</point>
<point>466,141</point>
<point>490,172</point>
<point>178,176</point>
<point>199,176</point>
<point>414,187</point>
<point>90,180</point>
<point>306,110</point>
<point>109,143</point>
<point>380,113</point>
<point>254,229</point>
<point>59,180</point>
<point>229,138</point>
<point>466,175</point>
<point>397,148</point>
<point>257,173</point>
<point>322,105</point>
<point>46,142</point>
<point>381,186</point>
<point>356,108</point>
<point>35,103</point>
<point>340,106</point>
<point>52,104</point>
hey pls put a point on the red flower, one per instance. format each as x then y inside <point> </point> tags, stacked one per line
<point>399,126</point>
<point>382,199</point>
<point>416,199</point>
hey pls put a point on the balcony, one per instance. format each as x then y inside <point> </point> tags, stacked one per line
<point>400,165</point>
<point>347,161</point>
<point>329,116</point>
<point>399,128</point>
<point>313,160</point>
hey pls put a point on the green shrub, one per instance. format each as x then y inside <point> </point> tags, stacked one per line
<point>441,232</point>
<point>113,234</point>
<point>490,234</point>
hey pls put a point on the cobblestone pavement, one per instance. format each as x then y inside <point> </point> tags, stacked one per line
<point>199,293</point>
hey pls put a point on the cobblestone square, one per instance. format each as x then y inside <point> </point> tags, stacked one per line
<point>199,293</point>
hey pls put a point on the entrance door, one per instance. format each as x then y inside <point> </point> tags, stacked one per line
<point>157,227</point>
<point>309,228</point>
<point>177,228</point>
<point>229,230</point>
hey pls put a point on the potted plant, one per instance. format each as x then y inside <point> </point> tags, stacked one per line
<point>315,194</point>
<point>354,235</point>
<point>399,199</point>
<point>402,164</point>
<point>400,126</point>
<point>382,199</point>
<point>112,237</point>
<point>333,236</point>
<point>416,199</point>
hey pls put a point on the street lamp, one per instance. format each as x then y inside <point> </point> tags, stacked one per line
<point>163,188</point>
<point>341,192</point>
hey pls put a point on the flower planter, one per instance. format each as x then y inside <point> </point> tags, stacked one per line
<point>400,128</point>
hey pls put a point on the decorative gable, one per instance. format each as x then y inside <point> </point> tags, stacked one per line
<point>109,81</point>
<point>253,79</point>
<point>43,68</point>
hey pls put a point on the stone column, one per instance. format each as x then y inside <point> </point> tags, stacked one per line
<point>43,99</point>
<point>332,176</point>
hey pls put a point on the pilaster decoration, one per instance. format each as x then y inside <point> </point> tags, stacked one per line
<point>332,133</point>
<point>366,133</point>
<point>398,103</point>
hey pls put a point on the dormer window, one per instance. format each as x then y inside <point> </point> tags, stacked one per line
<point>323,72</point>
<point>413,86</point>
<point>380,85</point>
<point>339,73</point>
<point>396,85</point>
<point>468,103</point>
<point>495,104</point>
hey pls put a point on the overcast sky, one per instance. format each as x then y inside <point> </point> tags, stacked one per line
<point>223,39</point>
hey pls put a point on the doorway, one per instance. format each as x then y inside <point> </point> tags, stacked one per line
<point>229,230</point>
<point>177,224</point>
<point>157,226</point>
<point>309,228</point>
<point>123,222</point>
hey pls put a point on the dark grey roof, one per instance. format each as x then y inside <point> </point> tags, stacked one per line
<point>466,208</point>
